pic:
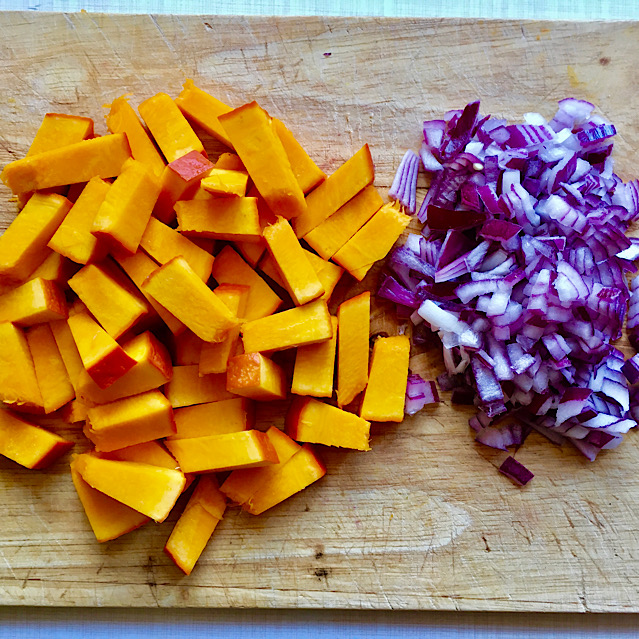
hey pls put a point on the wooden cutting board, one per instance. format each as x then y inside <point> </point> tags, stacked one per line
<point>423,520</point>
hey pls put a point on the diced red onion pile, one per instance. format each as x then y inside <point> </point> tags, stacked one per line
<point>521,269</point>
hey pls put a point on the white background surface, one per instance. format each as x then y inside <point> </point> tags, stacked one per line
<point>32,623</point>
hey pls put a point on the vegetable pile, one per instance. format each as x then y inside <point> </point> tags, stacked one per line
<point>522,269</point>
<point>147,292</point>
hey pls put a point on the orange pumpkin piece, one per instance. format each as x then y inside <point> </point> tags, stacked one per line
<point>23,243</point>
<point>203,109</point>
<point>309,420</point>
<point>306,172</point>
<point>180,180</point>
<point>116,308</point>
<point>127,207</point>
<point>299,472</point>
<point>73,238</point>
<point>251,131</point>
<point>217,453</point>
<point>352,347</point>
<point>74,412</point>
<point>27,444</point>
<point>152,369</point>
<point>68,351</point>
<point>102,357</point>
<point>151,452</point>
<point>299,277</point>
<point>55,268</point>
<point>52,376</point>
<point>230,268</point>
<point>345,183</point>
<point>224,182</point>
<point>298,326</point>
<point>187,387</point>
<point>163,243</point>
<point>102,157</point>
<point>230,162</point>
<point>315,367</point>
<point>58,130</point>
<point>108,518</point>
<point>187,347</point>
<point>195,526</point>
<point>18,384</point>
<point>242,484</point>
<point>138,267</point>
<point>214,418</point>
<point>223,218</point>
<point>128,421</point>
<point>252,251</point>
<point>214,356</point>
<point>255,376</point>
<point>33,302</point>
<point>386,391</point>
<point>373,241</point>
<point>178,288</point>
<point>173,134</point>
<point>151,490</point>
<point>123,119</point>
<point>328,237</point>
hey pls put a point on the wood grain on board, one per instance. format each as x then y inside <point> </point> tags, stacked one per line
<point>423,520</point>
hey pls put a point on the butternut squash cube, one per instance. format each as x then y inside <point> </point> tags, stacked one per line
<point>309,420</point>
<point>116,308</point>
<point>28,444</point>
<point>230,268</point>
<point>151,452</point>
<point>373,241</point>
<point>108,518</point>
<point>179,289</point>
<point>173,134</point>
<point>163,243</point>
<point>203,109</point>
<point>196,524</point>
<point>151,370</point>
<point>299,472</point>
<point>386,391</point>
<point>224,182</point>
<point>242,484</point>
<point>23,243</point>
<point>253,375</point>
<point>179,181</point>
<point>68,351</point>
<point>129,421</point>
<point>187,387</point>
<point>315,367</point>
<point>102,357</point>
<point>18,384</point>
<point>138,267</point>
<point>73,237</point>
<point>298,326</point>
<point>253,136</point>
<point>127,207</point>
<point>220,218</point>
<point>53,379</point>
<point>122,119</point>
<point>151,490</point>
<point>299,277</point>
<point>328,237</point>
<point>352,347</point>
<point>347,181</point>
<point>58,130</point>
<point>306,172</point>
<point>35,302</point>
<point>217,453</point>
<point>214,356</point>
<point>214,418</point>
<point>102,157</point>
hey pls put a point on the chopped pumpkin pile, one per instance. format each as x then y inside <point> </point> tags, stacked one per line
<point>146,294</point>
